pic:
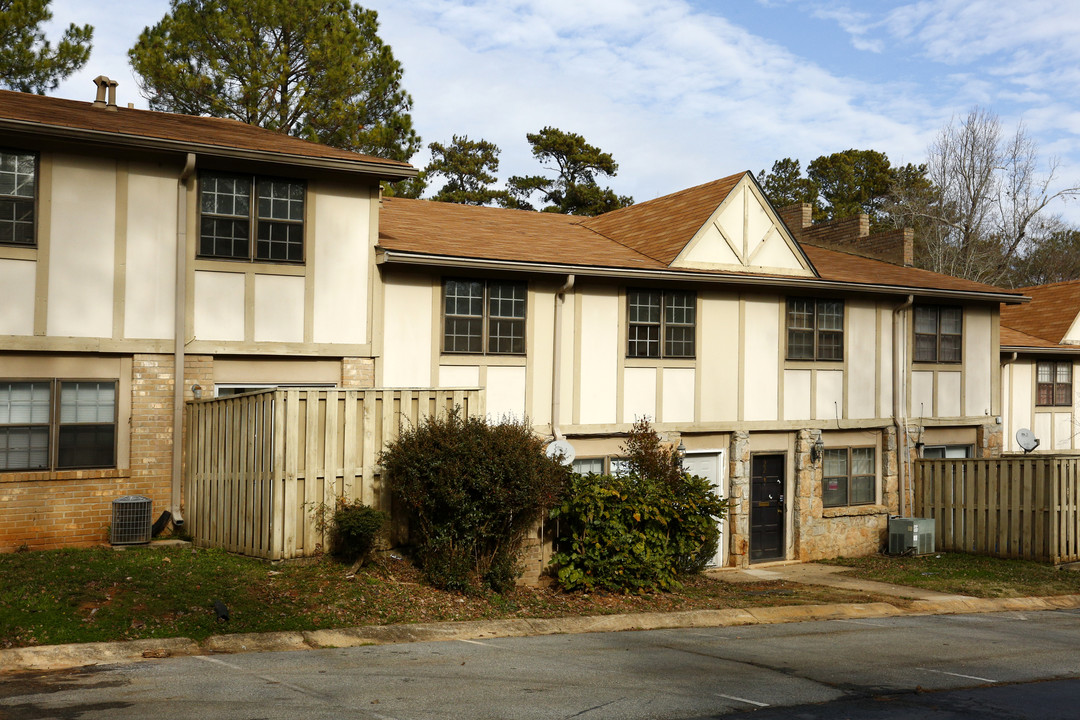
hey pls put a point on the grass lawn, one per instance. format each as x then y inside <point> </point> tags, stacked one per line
<point>90,595</point>
<point>964,574</point>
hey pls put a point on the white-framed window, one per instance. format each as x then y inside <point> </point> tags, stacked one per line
<point>947,451</point>
<point>57,424</point>
<point>231,389</point>
<point>1053,383</point>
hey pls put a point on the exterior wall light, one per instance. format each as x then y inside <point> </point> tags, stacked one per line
<point>817,449</point>
<point>196,390</point>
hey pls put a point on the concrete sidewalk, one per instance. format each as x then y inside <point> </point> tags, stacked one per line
<point>828,575</point>
<point>917,602</point>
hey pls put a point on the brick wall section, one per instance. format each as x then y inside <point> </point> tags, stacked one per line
<point>851,234</point>
<point>43,510</point>
<point>198,370</point>
<point>357,372</point>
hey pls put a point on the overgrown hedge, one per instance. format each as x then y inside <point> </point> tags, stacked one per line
<point>638,531</point>
<point>471,490</point>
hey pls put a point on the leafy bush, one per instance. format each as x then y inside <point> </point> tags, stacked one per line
<point>355,529</point>
<point>638,531</point>
<point>472,490</point>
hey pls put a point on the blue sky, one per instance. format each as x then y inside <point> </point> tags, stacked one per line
<point>685,91</point>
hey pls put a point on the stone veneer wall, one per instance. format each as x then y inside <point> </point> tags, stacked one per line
<point>739,497</point>
<point>822,533</point>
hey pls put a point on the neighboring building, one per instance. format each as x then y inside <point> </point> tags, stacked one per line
<point>700,311</point>
<point>1040,350</point>
<point>118,225</point>
<point>787,370</point>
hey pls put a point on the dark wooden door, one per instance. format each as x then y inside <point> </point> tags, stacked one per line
<point>766,507</point>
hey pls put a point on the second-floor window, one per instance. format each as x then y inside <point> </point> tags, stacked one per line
<point>661,323</point>
<point>484,317</point>
<point>18,192</point>
<point>938,333</point>
<point>251,218</point>
<point>815,329</point>
<point>1053,383</point>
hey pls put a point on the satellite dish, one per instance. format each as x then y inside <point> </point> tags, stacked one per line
<point>562,451</point>
<point>1026,440</point>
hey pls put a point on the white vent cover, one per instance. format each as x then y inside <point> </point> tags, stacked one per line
<point>131,520</point>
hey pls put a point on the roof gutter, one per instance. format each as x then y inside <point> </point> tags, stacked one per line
<point>142,142</point>
<point>384,256</point>
<point>1063,350</point>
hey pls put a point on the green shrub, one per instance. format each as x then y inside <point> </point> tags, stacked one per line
<point>471,490</point>
<point>355,529</point>
<point>638,531</point>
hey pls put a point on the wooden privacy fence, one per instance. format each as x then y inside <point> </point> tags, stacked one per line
<point>1012,506</point>
<point>260,466</point>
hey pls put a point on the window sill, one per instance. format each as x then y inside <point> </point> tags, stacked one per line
<point>15,476</point>
<point>928,365</point>
<point>854,511</point>
<point>245,266</point>
<point>480,359</point>
<point>18,252</point>
<point>801,364</point>
<point>660,362</point>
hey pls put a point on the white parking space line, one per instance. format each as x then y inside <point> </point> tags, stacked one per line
<point>864,622</point>
<point>477,642</point>
<point>743,700</point>
<point>968,677</point>
<point>713,637</point>
<point>295,688</point>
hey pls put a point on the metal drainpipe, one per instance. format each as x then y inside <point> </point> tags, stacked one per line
<point>1004,429</point>
<point>556,372</point>
<point>179,333</point>
<point>898,410</point>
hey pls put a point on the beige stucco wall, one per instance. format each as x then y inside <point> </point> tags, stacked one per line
<point>219,306</point>
<point>760,356</point>
<point>150,240</point>
<point>279,308</point>
<point>598,354</point>
<point>342,258</point>
<point>81,247</point>
<point>407,331</point>
<point>720,375</point>
<point>980,359</point>
<point>18,278</point>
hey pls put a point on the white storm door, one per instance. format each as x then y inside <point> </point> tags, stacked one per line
<point>710,465</point>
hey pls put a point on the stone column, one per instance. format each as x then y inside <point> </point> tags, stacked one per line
<point>989,439</point>
<point>806,510</point>
<point>890,479</point>
<point>739,496</point>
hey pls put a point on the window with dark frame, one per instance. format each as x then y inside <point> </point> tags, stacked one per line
<point>848,477</point>
<point>661,323</point>
<point>251,218</point>
<point>57,424</point>
<point>939,333</point>
<point>815,329</point>
<point>484,317</point>
<point>18,195</point>
<point>1053,383</point>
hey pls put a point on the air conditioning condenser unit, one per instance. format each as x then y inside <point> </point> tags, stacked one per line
<point>911,536</point>
<point>131,520</point>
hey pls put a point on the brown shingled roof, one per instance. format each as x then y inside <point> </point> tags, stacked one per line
<point>1050,314</point>
<point>1016,338</point>
<point>438,228</point>
<point>661,228</point>
<point>845,267</point>
<point>126,124</point>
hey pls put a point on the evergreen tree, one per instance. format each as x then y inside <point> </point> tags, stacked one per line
<point>28,62</point>
<point>574,191</point>
<point>469,167</point>
<point>311,68</point>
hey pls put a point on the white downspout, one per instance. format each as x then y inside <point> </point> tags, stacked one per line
<point>556,370</point>
<point>179,336</point>
<point>899,372</point>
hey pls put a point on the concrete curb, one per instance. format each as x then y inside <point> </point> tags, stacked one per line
<point>57,657</point>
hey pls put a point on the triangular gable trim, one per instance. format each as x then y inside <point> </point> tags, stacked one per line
<point>769,250</point>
